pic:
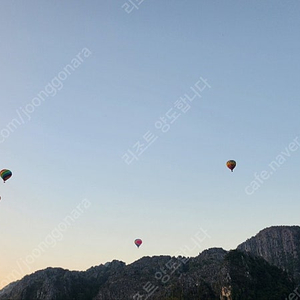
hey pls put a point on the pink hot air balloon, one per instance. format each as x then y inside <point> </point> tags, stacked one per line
<point>138,242</point>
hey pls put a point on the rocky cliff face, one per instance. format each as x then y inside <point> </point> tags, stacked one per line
<point>278,245</point>
<point>213,275</point>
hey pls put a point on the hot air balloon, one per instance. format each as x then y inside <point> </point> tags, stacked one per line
<point>5,174</point>
<point>231,165</point>
<point>138,242</point>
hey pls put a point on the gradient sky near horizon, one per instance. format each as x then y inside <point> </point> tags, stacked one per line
<point>141,62</point>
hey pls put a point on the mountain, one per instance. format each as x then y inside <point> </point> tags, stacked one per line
<point>262,268</point>
<point>58,283</point>
<point>278,245</point>
<point>213,274</point>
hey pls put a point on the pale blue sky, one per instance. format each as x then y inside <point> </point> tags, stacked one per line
<point>141,63</point>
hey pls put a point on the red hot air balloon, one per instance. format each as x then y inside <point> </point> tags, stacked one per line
<point>231,165</point>
<point>138,242</point>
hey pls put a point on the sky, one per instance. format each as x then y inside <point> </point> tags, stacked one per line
<point>87,84</point>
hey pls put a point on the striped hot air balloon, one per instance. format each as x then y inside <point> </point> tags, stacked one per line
<point>5,174</point>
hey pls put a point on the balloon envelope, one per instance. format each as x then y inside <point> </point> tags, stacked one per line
<point>5,174</point>
<point>138,242</point>
<point>231,164</point>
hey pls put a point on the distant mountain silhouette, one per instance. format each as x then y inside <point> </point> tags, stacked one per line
<point>264,267</point>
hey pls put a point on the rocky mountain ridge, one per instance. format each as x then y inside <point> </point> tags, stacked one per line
<point>264,267</point>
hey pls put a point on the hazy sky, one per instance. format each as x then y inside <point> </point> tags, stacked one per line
<point>84,82</point>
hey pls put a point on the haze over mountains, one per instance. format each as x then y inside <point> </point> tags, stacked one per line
<point>263,267</point>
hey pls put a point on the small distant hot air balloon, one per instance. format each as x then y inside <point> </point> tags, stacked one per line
<point>138,242</point>
<point>5,174</point>
<point>231,165</point>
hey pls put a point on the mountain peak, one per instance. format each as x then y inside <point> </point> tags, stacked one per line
<point>278,245</point>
